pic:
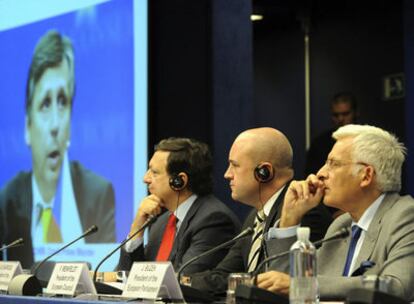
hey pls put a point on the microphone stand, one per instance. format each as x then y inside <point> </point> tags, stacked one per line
<point>26,284</point>
<point>91,230</point>
<point>244,233</point>
<point>254,294</point>
<point>148,222</point>
<point>195,295</point>
<point>16,243</point>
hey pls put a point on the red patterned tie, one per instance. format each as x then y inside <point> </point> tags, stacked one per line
<point>167,239</point>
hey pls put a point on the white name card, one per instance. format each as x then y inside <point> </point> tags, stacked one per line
<point>70,279</point>
<point>152,280</point>
<point>8,270</point>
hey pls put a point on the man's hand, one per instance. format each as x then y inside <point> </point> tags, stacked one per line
<point>150,205</point>
<point>300,197</point>
<point>274,281</point>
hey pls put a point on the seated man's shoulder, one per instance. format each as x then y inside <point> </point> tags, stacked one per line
<point>401,207</point>
<point>211,206</point>
<point>344,220</point>
<point>16,185</point>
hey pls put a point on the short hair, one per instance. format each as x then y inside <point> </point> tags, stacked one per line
<point>378,148</point>
<point>191,157</point>
<point>50,51</point>
<point>345,97</point>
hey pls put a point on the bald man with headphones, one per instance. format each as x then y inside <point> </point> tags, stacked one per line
<point>179,180</point>
<point>259,172</point>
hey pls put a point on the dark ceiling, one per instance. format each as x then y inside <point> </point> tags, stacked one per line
<point>284,13</point>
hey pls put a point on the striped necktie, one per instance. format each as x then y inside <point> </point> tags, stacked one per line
<point>256,241</point>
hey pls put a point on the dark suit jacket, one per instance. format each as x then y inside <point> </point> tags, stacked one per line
<point>94,198</point>
<point>207,224</point>
<point>215,281</point>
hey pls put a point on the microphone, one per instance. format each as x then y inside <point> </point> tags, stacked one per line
<point>26,284</point>
<point>342,233</point>
<point>149,221</point>
<point>250,294</point>
<point>91,230</point>
<point>246,232</point>
<point>16,243</point>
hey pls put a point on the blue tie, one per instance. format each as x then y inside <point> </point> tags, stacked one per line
<point>356,233</point>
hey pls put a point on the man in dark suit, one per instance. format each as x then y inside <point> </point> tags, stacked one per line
<point>361,177</point>
<point>179,179</point>
<point>260,168</point>
<point>57,199</point>
<point>94,200</point>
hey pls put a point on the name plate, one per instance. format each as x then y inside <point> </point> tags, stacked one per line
<point>70,279</point>
<point>152,280</point>
<point>8,270</point>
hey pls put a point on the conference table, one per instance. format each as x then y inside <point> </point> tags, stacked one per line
<point>9,299</point>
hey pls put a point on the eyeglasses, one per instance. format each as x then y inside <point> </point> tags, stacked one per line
<point>334,163</point>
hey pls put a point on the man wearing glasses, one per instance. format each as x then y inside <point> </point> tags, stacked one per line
<point>362,177</point>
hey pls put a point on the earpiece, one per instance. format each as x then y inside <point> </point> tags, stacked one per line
<point>177,182</point>
<point>263,173</point>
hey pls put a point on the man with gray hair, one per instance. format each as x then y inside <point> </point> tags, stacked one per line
<point>362,177</point>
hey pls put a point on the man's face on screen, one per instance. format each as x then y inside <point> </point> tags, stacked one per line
<point>157,178</point>
<point>48,126</point>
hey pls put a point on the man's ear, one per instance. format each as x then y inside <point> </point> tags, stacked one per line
<point>368,176</point>
<point>184,176</point>
<point>27,138</point>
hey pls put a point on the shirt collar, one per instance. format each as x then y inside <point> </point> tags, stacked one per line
<point>37,197</point>
<point>271,201</point>
<point>183,208</point>
<point>369,214</point>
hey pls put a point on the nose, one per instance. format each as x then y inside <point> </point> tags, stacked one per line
<point>227,174</point>
<point>54,120</point>
<point>147,179</point>
<point>323,172</point>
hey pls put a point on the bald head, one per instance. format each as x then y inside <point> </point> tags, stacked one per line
<point>267,144</point>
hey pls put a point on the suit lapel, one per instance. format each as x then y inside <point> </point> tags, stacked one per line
<point>276,210</point>
<point>183,228</point>
<point>374,230</point>
<point>156,234</point>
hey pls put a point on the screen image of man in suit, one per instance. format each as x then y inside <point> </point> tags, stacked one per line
<point>362,177</point>
<point>179,179</point>
<point>58,199</point>
<point>259,172</point>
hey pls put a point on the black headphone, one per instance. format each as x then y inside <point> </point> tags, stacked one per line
<point>263,173</point>
<point>177,182</point>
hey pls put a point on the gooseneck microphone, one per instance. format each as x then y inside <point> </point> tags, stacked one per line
<point>16,243</point>
<point>26,284</point>
<point>250,294</point>
<point>149,221</point>
<point>342,233</point>
<point>91,230</point>
<point>246,232</point>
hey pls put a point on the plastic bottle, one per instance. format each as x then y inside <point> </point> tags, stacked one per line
<point>303,272</point>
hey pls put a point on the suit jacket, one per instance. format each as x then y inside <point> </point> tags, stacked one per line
<point>207,224</point>
<point>387,239</point>
<point>215,280</point>
<point>94,198</point>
